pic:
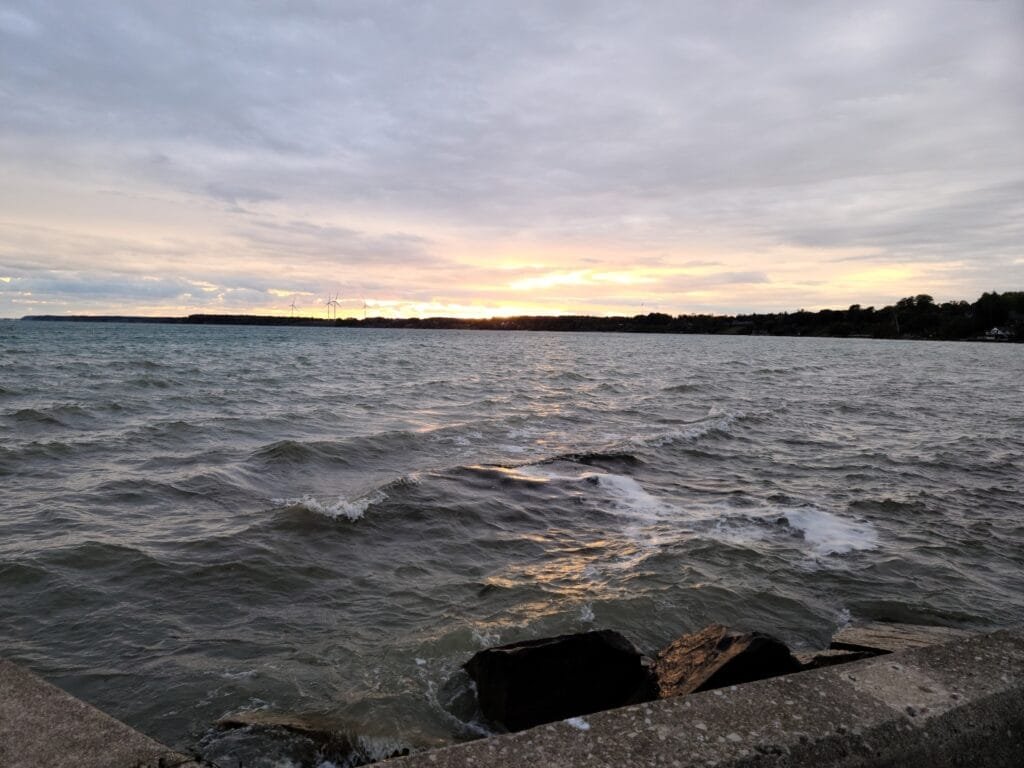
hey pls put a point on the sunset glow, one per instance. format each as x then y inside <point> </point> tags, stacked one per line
<point>608,161</point>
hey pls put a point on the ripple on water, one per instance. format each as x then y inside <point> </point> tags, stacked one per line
<point>368,501</point>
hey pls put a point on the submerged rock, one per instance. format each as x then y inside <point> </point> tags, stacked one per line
<point>716,657</point>
<point>307,739</point>
<point>539,681</point>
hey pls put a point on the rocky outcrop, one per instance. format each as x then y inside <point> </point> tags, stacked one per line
<point>539,681</point>
<point>716,657</point>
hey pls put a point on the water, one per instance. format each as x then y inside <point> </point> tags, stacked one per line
<point>203,520</point>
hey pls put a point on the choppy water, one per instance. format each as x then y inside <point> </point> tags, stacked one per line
<point>201,520</point>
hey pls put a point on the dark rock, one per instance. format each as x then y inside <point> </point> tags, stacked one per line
<point>539,681</point>
<point>716,657</point>
<point>309,738</point>
<point>306,739</point>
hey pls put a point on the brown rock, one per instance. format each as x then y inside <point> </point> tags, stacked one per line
<point>716,657</point>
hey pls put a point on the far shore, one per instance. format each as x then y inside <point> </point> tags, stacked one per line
<point>993,317</point>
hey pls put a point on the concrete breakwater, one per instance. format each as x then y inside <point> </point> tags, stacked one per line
<point>41,726</point>
<point>957,703</point>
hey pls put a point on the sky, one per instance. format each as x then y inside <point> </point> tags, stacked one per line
<point>500,158</point>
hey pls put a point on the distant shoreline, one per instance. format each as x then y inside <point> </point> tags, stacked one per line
<point>992,318</point>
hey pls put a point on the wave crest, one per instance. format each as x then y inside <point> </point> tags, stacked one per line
<point>350,509</point>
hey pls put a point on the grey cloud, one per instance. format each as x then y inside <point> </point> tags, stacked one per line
<point>235,194</point>
<point>886,126</point>
<point>75,285</point>
<point>334,245</point>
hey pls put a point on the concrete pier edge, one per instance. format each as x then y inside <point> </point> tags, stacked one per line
<point>42,726</point>
<point>955,704</point>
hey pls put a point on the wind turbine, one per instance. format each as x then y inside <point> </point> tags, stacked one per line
<point>332,302</point>
<point>293,306</point>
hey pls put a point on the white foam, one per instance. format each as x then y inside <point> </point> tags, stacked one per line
<point>245,674</point>
<point>524,432</point>
<point>822,535</point>
<point>587,614</point>
<point>579,723</point>
<point>843,619</point>
<point>629,494</point>
<point>829,534</point>
<point>625,493</point>
<point>351,509</point>
<point>484,638</point>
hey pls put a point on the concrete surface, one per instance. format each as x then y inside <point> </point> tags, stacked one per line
<point>959,704</point>
<point>889,638</point>
<point>41,726</point>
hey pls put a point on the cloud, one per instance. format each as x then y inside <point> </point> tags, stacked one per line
<point>376,138</point>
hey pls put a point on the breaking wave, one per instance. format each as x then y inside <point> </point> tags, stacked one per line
<point>349,509</point>
<point>829,534</point>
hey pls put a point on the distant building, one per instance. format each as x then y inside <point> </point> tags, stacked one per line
<point>998,334</point>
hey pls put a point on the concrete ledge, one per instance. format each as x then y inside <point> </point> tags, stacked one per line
<point>41,725</point>
<point>959,704</point>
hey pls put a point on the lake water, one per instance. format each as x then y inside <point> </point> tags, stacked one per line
<point>201,520</point>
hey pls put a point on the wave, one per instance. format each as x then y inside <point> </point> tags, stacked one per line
<point>716,422</point>
<point>350,509</point>
<point>150,382</point>
<point>683,387</point>
<point>571,377</point>
<point>55,450</point>
<point>113,560</point>
<point>823,535</point>
<point>829,534</point>
<point>348,451</point>
<point>295,452</point>
<point>592,458</point>
<point>32,416</point>
<point>624,493</point>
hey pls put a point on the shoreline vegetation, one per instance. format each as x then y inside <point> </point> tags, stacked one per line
<point>993,317</point>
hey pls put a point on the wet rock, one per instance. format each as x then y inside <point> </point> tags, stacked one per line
<point>299,740</point>
<point>539,681</point>
<point>716,657</point>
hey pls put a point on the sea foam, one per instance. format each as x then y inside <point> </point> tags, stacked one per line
<point>625,493</point>
<point>351,509</point>
<point>829,534</point>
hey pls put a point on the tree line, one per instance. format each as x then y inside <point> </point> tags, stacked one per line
<point>994,316</point>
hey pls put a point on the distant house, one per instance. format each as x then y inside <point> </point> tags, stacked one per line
<point>998,334</point>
